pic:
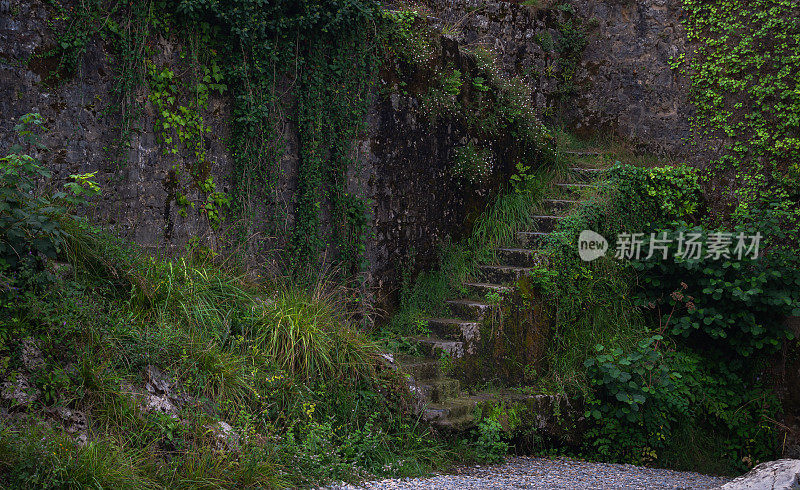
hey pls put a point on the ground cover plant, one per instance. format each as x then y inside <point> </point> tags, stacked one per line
<point>147,356</point>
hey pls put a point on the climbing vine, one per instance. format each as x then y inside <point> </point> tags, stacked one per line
<point>328,54</point>
<point>746,91</point>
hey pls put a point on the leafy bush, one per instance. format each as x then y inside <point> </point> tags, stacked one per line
<point>738,304</point>
<point>491,446</point>
<point>654,404</point>
<point>660,193</point>
<point>29,223</point>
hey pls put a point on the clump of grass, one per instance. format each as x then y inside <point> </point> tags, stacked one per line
<point>310,335</point>
<point>40,457</point>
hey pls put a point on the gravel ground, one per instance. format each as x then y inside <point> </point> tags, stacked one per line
<point>523,472</point>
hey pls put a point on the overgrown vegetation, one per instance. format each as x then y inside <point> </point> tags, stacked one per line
<point>198,372</point>
<point>154,354</point>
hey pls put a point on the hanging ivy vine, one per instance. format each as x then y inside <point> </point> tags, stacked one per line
<point>325,53</point>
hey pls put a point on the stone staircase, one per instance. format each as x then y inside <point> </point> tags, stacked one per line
<point>442,401</point>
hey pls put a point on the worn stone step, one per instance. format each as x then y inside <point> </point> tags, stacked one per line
<point>588,174</point>
<point>442,389</point>
<point>449,409</point>
<point>520,257</point>
<point>420,368</point>
<point>434,347</point>
<point>458,424</point>
<point>546,223</point>
<point>469,309</point>
<point>454,328</point>
<point>584,153</point>
<point>456,413</point>
<point>501,274</point>
<point>531,239</point>
<point>560,206</point>
<point>481,289</point>
<point>578,190</point>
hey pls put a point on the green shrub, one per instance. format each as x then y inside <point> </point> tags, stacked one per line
<point>737,304</point>
<point>308,335</point>
<point>654,404</point>
<point>29,223</point>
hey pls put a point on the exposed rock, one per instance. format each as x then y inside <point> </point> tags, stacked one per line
<point>160,396</point>
<point>156,382</point>
<point>20,392</point>
<point>225,437</point>
<point>388,361</point>
<point>74,422</point>
<point>31,355</point>
<point>783,474</point>
<point>160,403</point>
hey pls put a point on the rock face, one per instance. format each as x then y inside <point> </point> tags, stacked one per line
<point>621,82</point>
<point>783,474</point>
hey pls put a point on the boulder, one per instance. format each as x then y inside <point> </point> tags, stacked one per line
<point>783,474</point>
<point>225,437</point>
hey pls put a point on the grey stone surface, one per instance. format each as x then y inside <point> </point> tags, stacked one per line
<point>782,474</point>
<point>401,162</point>
<point>623,82</point>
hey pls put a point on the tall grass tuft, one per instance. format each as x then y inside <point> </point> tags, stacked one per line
<point>36,456</point>
<point>309,334</point>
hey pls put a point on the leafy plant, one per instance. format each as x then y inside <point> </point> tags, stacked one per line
<point>29,218</point>
<point>491,446</point>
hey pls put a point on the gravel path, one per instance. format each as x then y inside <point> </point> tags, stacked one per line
<point>523,472</point>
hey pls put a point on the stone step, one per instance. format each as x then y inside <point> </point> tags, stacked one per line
<point>420,368</point>
<point>568,190</point>
<point>531,239</point>
<point>587,173</point>
<point>546,223</point>
<point>454,329</point>
<point>584,153</point>
<point>469,309</point>
<point>459,424</point>
<point>481,289</point>
<point>520,257</point>
<point>453,408</point>
<point>440,390</point>
<point>501,274</point>
<point>434,347</point>
<point>560,206</point>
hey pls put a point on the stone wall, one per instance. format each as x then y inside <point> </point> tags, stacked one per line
<point>82,128</point>
<point>622,83</point>
<point>402,161</point>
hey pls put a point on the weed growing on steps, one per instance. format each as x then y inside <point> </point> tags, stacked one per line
<point>424,296</point>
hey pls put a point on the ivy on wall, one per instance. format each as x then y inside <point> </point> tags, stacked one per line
<point>746,90</point>
<point>324,52</point>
